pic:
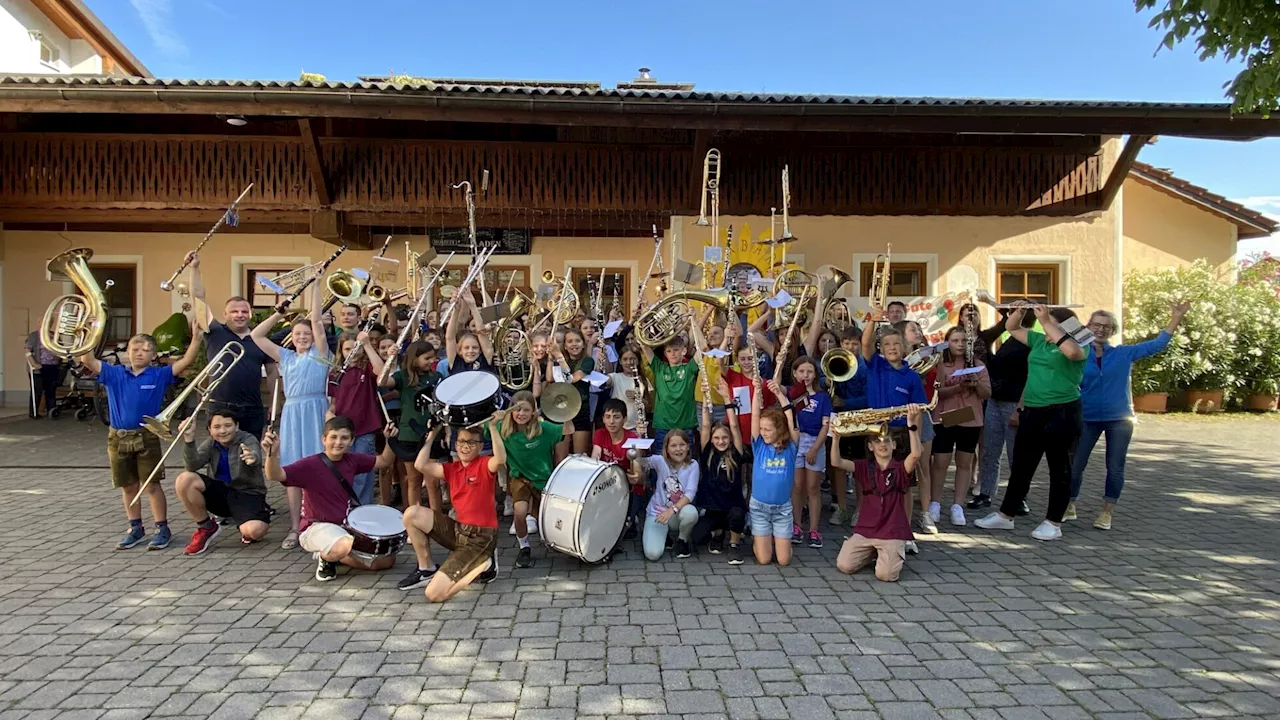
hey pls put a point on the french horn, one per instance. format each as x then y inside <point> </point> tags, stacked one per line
<point>75,324</point>
<point>564,302</point>
<point>661,323</point>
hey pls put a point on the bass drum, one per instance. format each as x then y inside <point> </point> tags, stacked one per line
<point>584,508</point>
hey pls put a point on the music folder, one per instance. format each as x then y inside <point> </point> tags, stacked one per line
<point>493,313</point>
<point>688,273</point>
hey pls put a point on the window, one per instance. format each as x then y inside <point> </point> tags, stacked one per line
<point>1037,283</point>
<point>617,282</point>
<point>496,279</point>
<point>121,314</point>
<point>259,296</point>
<point>909,279</point>
<point>49,54</point>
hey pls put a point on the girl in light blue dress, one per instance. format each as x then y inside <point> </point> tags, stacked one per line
<point>304,370</point>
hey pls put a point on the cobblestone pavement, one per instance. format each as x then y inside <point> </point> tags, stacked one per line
<point>1174,614</point>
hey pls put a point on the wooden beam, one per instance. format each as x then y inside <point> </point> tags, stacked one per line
<point>315,162</point>
<point>159,216</point>
<point>1120,171</point>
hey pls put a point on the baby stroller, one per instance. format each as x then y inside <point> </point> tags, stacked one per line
<point>86,398</point>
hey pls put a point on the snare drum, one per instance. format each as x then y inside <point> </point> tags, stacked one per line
<point>467,398</point>
<point>584,508</point>
<point>378,531</point>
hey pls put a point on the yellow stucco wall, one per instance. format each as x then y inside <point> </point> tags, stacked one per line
<point>1162,231</point>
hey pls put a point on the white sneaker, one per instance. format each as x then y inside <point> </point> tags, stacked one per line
<point>532,523</point>
<point>994,521</point>
<point>912,548</point>
<point>935,511</point>
<point>508,508</point>
<point>1047,531</point>
<point>927,524</point>
<point>957,516</point>
<point>512,531</point>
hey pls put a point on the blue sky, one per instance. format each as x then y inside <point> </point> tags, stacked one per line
<point>1085,49</point>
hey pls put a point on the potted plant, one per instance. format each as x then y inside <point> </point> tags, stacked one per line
<point>1152,379</point>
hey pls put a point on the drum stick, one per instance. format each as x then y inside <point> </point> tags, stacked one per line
<point>385,416</point>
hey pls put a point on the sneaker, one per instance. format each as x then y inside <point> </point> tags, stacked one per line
<point>815,539</point>
<point>201,539</point>
<point>508,508</point>
<point>532,523</point>
<point>735,554</point>
<point>994,521</point>
<point>161,539</point>
<point>1023,510</point>
<point>1104,520</point>
<point>797,535</point>
<point>1047,531</point>
<point>957,516</point>
<point>326,571</point>
<point>928,525</point>
<point>631,532</point>
<point>524,558</point>
<point>491,574</point>
<point>716,546</point>
<point>826,485</point>
<point>1070,514</point>
<point>979,502</point>
<point>512,530</point>
<point>416,578</point>
<point>838,518</point>
<point>935,511</point>
<point>912,548</point>
<point>682,549</point>
<point>135,536</point>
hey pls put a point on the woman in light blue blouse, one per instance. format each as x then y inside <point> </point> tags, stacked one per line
<point>1107,405</point>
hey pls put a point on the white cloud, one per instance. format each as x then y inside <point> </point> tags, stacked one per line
<point>1268,205</point>
<point>157,18</point>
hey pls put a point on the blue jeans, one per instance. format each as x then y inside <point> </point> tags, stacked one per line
<point>364,482</point>
<point>998,435</point>
<point>1119,433</point>
<point>655,533</point>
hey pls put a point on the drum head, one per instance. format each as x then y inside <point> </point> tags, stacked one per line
<point>467,388</point>
<point>376,520</point>
<point>604,511</point>
<point>589,501</point>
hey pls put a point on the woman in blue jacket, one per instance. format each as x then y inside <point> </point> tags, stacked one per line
<point>1107,405</point>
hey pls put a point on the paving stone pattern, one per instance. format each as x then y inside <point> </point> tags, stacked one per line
<point>1174,614</point>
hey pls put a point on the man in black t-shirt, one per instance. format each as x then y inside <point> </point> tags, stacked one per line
<point>240,392</point>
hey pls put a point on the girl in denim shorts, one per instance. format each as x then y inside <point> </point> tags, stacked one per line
<point>772,476</point>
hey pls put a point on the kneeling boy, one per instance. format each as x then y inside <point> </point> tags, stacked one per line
<point>223,476</point>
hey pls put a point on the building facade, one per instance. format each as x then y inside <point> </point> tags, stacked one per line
<point>60,37</point>
<point>1022,199</point>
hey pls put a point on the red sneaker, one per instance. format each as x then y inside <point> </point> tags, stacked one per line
<point>200,540</point>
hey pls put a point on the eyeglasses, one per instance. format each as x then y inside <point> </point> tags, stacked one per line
<point>470,443</point>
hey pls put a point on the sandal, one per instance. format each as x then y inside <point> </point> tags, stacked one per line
<point>290,541</point>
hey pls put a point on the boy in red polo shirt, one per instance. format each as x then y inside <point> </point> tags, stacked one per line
<point>883,530</point>
<point>606,446</point>
<point>472,539</point>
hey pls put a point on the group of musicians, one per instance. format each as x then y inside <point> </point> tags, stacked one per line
<point>749,426</point>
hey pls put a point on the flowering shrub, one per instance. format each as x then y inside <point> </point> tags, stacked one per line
<point>1258,360</point>
<point>1204,349</point>
<point>1261,269</point>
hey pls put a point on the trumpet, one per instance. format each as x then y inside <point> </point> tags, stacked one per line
<point>206,382</point>
<point>662,322</point>
<point>872,421</point>
<point>229,215</point>
<point>75,324</point>
<point>710,187</point>
<point>412,322</point>
<point>880,280</point>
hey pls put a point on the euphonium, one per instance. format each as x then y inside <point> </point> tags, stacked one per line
<point>870,421</point>
<point>511,359</point>
<point>830,279</point>
<point>839,365</point>
<point>662,322</point>
<point>74,324</point>
<point>921,362</point>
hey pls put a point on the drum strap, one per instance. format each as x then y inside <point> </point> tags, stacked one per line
<point>355,500</point>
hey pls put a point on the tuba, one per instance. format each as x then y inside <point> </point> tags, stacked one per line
<point>871,421</point>
<point>839,365</point>
<point>662,322</point>
<point>75,324</point>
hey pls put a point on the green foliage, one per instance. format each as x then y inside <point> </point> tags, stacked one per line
<point>1258,361</point>
<point>1236,30</point>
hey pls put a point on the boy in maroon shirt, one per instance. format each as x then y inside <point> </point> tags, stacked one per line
<point>883,530</point>
<point>325,500</point>
<point>607,447</point>
<point>472,539</point>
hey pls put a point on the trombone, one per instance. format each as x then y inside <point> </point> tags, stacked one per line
<point>880,279</point>
<point>206,382</point>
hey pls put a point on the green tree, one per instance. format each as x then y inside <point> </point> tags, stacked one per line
<point>1236,30</point>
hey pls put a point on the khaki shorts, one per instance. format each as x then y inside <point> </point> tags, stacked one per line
<point>522,490</point>
<point>320,537</point>
<point>858,551</point>
<point>469,546</point>
<point>131,468</point>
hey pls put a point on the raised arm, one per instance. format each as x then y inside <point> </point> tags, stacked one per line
<point>375,360</point>
<point>499,458</point>
<point>317,326</point>
<point>91,362</point>
<point>1054,333</point>
<point>425,465</point>
<point>837,458</point>
<point>482,331</point>
<point>260,332</point>
<point>730,413</point>
<point>183,363</point>
<point>197,286</point>
<point>815,328</point>
<point>451,334</point>
<point>757,405</point>
<point>272,469</point>
<point>757,331</point>
<point>869,333</point>
<point>1013,322</point>
<point>913,430</point>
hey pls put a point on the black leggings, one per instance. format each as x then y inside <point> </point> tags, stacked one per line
<point>49,385</point>
<point>1044,432</point>
<point>734,520</point>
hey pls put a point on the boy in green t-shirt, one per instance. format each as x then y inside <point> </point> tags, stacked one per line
<point>674,380</point>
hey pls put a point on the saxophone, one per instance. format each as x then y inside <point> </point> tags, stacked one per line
<point>869,422</point>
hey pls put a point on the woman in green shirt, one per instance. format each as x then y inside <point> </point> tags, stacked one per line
<point>417,377</point>
<point>1049,422</point>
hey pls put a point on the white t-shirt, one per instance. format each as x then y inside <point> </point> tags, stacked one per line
<point>671,485</point>
<point>620,383</point>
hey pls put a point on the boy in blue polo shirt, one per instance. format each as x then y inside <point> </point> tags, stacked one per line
<point>891,383</point>
<point>133,392</point>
